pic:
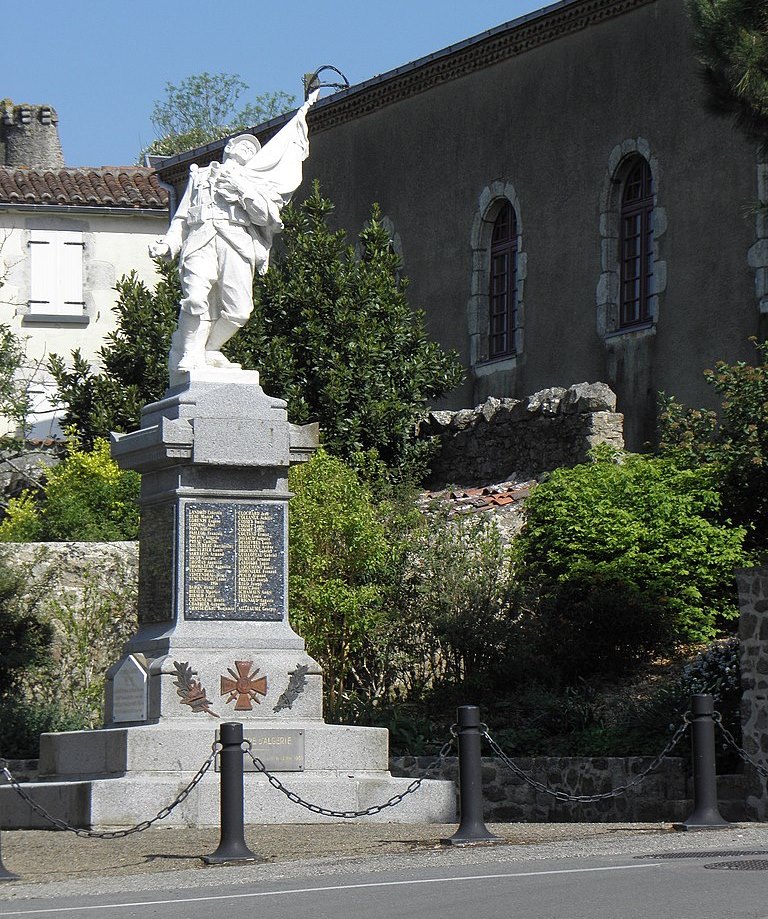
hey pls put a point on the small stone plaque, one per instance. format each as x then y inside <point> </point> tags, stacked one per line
<point>280,751</point>
<point>234,560</point>
<point>129,692</point>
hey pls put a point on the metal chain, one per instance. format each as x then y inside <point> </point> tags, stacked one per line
<point>347,815</point>
<point>110,834</point>
<point>589,799</point>
<point>761,770</point>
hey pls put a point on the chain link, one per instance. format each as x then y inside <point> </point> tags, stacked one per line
<point>348,815</point>
<point>110,834</point>
<point>589,799</point>
<point>761,770</point>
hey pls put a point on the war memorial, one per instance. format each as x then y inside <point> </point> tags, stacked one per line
<point>214,643</point>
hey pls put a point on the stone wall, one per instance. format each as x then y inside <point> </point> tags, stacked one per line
<point>662,796</point>
<point>753,640</point>
<point>70,566</point>
<point>506,439</point>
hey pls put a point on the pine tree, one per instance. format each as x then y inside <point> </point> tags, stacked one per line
<point>731,40</point>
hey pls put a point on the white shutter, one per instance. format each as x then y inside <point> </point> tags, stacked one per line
<point>71,272</point>
<point>56,272</point>
<point>42,271</point>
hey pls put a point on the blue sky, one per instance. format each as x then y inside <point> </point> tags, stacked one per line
<point>102,63</point>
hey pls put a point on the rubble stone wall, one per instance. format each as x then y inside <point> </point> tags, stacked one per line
<point>70,566</point>
<point>662,796</point>
<point>506,439</point>
<point>753,641</point>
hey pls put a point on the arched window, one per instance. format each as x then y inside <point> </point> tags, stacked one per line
<point>636,245</point>
<point>502,292</point>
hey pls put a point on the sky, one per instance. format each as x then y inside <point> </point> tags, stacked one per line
<point>103,63</point>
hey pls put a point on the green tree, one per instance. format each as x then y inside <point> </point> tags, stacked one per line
<point>87,497</point>
<point>134,361</point>
<point>626,560</point>
<point>332,332</point>
<point>204,107</point>
<point>731,40</point>
<point>734,441</point>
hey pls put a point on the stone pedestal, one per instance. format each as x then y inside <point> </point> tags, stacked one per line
<point>214,640</point>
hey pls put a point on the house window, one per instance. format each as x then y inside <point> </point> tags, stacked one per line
<point>56,273</point>
<point>636,246</point>
<point>502,293</point>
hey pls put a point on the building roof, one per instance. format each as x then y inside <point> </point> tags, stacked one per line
<point>132,187</point>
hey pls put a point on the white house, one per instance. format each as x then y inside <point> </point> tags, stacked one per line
<point>67,235</point>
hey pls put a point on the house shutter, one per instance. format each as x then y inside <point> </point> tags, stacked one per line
<point>56,272</point>
<point>71,272</point>
<point>42,271</point>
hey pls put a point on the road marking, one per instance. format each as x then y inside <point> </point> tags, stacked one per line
<point>337,887</point>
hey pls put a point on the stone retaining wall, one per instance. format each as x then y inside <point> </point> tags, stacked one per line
<point>662,796</point>
<point>506,439</point>
<point>69,566</point>
<point>753,640</point>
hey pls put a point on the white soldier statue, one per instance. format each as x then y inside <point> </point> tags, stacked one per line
<point>223,231</point>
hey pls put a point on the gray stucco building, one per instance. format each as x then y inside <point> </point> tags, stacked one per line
<point>565,206</point>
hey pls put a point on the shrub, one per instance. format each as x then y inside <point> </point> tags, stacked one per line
<point>87,497</point>
<point>90,628</point>
<point>626,560</point>
<point>459,599</point>
<point>339,567</point>
<point>735,441</point>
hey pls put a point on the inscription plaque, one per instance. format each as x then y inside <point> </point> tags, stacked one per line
<point>280,751</point>
<point>129,692</point>
<point>234,560</point>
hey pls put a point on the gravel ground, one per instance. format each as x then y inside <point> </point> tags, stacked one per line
<point>55,864</point>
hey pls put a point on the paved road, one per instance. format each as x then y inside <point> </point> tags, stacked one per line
<point>596,887</point>
<point>558,872</point>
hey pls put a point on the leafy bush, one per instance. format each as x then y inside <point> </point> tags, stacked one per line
<point>90,628</point>
<point>86,497</point>
<point>626,561</point>
<point>460,600</point>
<point>24,721</point>
<point>735,441</point>
<point>331,331</point>
<point>339,567</point>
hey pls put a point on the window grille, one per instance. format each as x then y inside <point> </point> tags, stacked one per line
<point>503,284</point>
<point>636,246</point>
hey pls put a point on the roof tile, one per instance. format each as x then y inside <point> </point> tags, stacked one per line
<point>106,186</point>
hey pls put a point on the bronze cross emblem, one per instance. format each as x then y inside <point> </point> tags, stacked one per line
<point>242,688</point>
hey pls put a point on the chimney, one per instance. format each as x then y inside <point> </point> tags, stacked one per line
<point>29,136</point>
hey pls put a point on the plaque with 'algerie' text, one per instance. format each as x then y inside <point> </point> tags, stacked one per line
<point>234,560</point>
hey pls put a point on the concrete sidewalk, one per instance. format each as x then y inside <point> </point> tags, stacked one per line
<point>40,856</point>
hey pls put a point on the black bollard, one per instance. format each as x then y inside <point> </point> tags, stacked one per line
<point>705,810</point>
<point>5,874</point>
<point>232,846</point>
<point>471,828</point>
